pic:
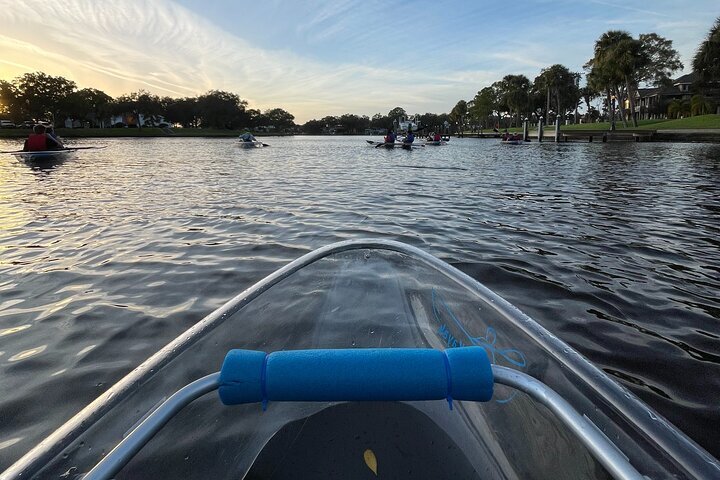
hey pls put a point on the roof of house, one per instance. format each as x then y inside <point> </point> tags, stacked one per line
<point>689,78</point>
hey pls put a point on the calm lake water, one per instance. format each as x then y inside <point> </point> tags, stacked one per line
<point>108,256</point>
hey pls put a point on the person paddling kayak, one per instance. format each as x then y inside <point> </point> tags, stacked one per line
<point>409,138</point>
<point>390,137</point>
<point>39,141</point>
<point>248,137</point>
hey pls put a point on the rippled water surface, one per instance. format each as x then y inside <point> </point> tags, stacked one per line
<point>107,256</point>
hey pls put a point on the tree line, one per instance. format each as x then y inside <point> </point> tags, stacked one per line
<point>41,97</point>
<point>619,66</point>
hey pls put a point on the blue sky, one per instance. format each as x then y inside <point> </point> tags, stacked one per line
<point>317,58</point>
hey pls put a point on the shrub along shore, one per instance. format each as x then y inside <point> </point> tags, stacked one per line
<point>697,128</point>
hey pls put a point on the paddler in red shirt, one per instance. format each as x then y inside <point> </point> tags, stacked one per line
<point>39,141</point>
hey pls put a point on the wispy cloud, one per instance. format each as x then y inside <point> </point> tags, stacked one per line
<point>318,57</point>
<point>631,9</point>
<point>116,45</point>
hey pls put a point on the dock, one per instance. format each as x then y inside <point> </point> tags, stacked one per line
<point>626,135</point>
<point>603,135</point>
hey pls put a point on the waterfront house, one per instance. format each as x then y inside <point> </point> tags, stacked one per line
<point>653,102</point>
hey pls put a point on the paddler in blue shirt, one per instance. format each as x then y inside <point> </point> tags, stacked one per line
<point>409,138</point>
<point>248,137</point>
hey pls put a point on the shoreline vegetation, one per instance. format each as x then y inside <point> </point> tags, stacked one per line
<point>700,127</point>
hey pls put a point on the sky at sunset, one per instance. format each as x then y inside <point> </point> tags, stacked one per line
<point>317,58</point>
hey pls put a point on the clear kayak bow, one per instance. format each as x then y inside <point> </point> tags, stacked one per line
<point>344,363</point>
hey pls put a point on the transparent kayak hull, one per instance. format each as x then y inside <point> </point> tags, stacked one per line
<point>243,144</point>
<point>44,156</point>
<point>363,295</point>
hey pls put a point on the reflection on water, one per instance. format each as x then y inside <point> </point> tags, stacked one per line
<point>107,256</point>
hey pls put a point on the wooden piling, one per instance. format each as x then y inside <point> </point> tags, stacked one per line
<point>557,129</point>
<point>540,129</point>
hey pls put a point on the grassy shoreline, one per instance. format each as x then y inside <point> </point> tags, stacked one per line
<point>700,122</point>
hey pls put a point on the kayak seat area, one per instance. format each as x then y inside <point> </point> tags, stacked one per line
<point>359,440</point>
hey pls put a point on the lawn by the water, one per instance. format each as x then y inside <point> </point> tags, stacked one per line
<point>699,122</point>
<point>696,122</point>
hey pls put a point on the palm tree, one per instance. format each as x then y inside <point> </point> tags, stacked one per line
<point>699,105</point>
<point>707,58</point>
<point>458,114</point>
<point>607,66</point>
<point>588,93</point>
<point>621,63</point>
<point>678,108</point>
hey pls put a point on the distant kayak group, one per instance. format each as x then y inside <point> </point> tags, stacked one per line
<point>391,140</point>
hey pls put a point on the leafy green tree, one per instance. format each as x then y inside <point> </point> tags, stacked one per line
<point>432,121</point>
<point>40,96</point>
<point>658,60</point>
<point>600,79</point>
<point>396,114</point>
<point>139,103</point>
<point>219,109</point>
<point>184,111</point>
<point>313,127</point>
<point>381,121</point>
<point>353,123</point>
<point>278,117</point>
<point>8,100</point>
<point>484,106</point>
<point>561,87</point>
<point>149,106</point>
<point>514,91</point>
<point>88,104</point>
<point>459,113</point>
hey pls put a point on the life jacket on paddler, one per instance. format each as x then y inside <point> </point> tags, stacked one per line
<point>37,142</point>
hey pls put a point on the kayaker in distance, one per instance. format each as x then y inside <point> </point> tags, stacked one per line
<point>506,137</point>
<point>409,138</point>
<point>248,137</point>
<point>390,137</point>
<point>39,141</point>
